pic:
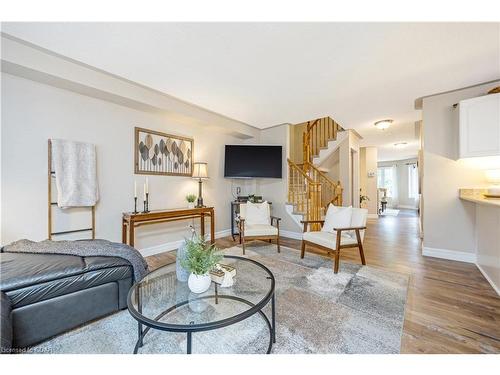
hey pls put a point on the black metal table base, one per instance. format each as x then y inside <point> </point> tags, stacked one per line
<point>271,326</point>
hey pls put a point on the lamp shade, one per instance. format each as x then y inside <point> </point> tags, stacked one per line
<point>493,176</point>
<point>200,170</point>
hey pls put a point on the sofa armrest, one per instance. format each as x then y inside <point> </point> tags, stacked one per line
<point>308,222</point>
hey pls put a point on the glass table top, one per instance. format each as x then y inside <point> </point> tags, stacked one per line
<point>161,301</point>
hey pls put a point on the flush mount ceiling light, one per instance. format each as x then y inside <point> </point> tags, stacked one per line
<point>401,144</point>
<point>383,124</point>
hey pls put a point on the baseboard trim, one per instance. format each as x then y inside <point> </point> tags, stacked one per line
<point>174,245</point>
<point>488,279</point>
<point>290,234</point>
<point>459,256</point>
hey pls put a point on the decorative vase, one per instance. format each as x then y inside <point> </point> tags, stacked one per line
<point>182,274</point>
<point>199,283</point>
<point>190,204</point>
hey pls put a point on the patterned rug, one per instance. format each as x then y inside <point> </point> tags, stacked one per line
<point>359,310</point>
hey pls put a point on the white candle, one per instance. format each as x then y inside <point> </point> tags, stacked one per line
<point>135,189</point>
<point>147,185</point>
<point>144,191</point>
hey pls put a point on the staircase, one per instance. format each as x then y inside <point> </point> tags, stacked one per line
<point>310,190</point>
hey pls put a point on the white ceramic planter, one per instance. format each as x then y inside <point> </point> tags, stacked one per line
<point>199,283</point>
<point>191,204</point>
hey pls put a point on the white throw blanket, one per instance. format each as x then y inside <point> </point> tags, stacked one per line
<point>76,173</point>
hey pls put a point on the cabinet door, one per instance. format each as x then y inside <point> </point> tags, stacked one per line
<point>480,126</point>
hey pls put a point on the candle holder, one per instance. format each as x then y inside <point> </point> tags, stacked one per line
<point>147,202</point>
<point>135,205</point>
<point>144,205</point>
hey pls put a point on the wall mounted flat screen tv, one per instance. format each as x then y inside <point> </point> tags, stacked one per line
<point>250,161</point>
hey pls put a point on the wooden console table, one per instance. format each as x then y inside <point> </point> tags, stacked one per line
<point>130,221</point>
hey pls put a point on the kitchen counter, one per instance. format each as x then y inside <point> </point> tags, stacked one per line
<point>487,232</point>
<point>477,196</point>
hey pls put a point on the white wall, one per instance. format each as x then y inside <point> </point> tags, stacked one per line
<point>33,112</point>
<point>403,199</point>
<point>368,185</point>
<point>276,190</point>
<point>448,222</point>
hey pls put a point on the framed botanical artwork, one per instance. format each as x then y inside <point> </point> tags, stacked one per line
<point>158,153</point>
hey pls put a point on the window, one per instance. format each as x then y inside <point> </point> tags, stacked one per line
<point>386,179</point>
<point>412,181</point>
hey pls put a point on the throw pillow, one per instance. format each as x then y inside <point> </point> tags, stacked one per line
<point>257,213</point>
<point>337,217</point>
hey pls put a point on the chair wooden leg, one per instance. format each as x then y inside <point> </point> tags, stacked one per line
<point>337,253</point>
<point>360,246</point>
<point>362,254</point>
<point>243,244</point>
<point>302,250</point>
<point>278,244</point>
<point>336,262</point>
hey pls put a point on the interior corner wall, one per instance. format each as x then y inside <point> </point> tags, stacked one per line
<point>33,112</point>
<point>449,222</point>
<point>273,189</point>
<point>368,185</point>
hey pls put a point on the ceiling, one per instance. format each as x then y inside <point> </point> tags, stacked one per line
<point>271,73</point>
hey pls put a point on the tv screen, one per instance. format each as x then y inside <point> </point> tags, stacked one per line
<point>252,161</point>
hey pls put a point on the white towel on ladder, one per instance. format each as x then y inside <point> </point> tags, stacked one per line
<point>76,173</point>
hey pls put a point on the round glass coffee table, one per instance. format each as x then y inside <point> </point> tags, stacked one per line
<point>160,301</point>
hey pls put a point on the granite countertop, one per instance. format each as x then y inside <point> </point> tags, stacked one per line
<point>477,196</point>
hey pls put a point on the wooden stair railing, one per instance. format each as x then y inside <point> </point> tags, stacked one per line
<point>331,191</point>
<point>303,192</point>
<point>317,135</point>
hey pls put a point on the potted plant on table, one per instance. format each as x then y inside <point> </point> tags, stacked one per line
<point>362,198</point>
<point>201,258</point>
<point>191,198</point>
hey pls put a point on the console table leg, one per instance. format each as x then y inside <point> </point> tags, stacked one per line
<point>212,227</point>
<point>202,225</point>
<point>124,232</point>
<point>131,236</point>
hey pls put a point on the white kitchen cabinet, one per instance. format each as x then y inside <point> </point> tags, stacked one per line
<point>479,126</point>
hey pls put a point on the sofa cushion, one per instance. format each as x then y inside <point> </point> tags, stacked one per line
<point>328,239</point>
<point>30,278</point>
<point>260,230</point>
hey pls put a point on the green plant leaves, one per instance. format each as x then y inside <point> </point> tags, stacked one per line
<point>201,257</point>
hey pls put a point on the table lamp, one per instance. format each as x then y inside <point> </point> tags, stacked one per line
<point>493,176</point>
<point>200,172</point>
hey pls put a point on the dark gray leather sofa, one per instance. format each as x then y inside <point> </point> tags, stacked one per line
<point>46,294</point>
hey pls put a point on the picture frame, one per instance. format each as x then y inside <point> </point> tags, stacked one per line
<point>158,153</point>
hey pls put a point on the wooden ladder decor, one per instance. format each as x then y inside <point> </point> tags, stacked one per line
<point>51,175</point>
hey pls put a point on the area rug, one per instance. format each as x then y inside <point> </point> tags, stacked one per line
<point>390,212</point>
<point>359,310</point>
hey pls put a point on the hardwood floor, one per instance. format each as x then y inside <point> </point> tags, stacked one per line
<point>450,307</point>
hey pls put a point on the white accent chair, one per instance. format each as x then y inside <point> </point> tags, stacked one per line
<point>256,223</point>
<point>343,232</point>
